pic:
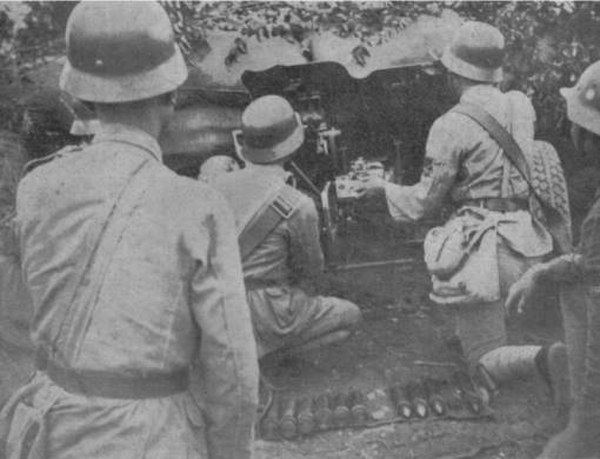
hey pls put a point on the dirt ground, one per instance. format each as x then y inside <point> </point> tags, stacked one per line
<point>402,327</point>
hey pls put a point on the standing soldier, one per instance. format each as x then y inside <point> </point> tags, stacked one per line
<point>464,162</point>
<point>579,271</point>
<point>279,237</point>
<point>134,272</point>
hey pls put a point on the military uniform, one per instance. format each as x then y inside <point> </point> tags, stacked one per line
<point>283,313</point>
<point>172,285</point>
<point>464,162</point>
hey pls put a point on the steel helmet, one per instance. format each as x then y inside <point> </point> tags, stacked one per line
<point>583,100</point>
<point>476,52</point>
<point>120,52</point>
<point>271,129</point>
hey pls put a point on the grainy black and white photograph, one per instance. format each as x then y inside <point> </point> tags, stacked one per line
<point>304,229</point>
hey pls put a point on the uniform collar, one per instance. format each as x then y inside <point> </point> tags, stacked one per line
<point>130,135</point>
<point>479,92</point>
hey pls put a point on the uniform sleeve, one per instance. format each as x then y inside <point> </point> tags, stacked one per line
<point>228,363</point>
<point>441,165</point>
<point>306,256</point>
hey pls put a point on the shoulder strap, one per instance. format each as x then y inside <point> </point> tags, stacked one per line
<point>34,163</point>
<point>511,148</point>
<point>268,216</point>
<point>86,284</point>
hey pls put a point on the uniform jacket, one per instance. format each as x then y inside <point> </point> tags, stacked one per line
<point>171,296</point>
<point>463,162</point>
<point>287,261</point>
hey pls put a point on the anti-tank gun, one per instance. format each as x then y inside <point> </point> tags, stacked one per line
<point>362,116</point>
<point>356,128</point>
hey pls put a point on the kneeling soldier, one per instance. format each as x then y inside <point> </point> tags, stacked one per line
<point>279,237</point>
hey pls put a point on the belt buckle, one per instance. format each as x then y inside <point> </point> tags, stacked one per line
<point>282,207</point>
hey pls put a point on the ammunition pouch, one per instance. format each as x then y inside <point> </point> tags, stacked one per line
<point>461,257</point>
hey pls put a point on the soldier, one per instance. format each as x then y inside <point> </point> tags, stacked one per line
<point>579,271</point>
<point>279,237</point>
<point>463,162</point>
<point>134,271</point>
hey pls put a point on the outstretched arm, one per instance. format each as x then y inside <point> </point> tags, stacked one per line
<point>442,162</point>
<point>566,268</point>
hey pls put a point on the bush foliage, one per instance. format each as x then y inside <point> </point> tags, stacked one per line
<point>549,43</point>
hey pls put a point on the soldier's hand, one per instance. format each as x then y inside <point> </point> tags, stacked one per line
<point>522,292</point>
<point>371,187</point>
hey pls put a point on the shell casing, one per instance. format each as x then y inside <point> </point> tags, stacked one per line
<point>341,411</point>
<point>323,411</point>
<point>468,393</point>
<point>270,424</point>
<point>287,423</point>
<point>451,396</point>
<point>434,399</point>
<point>420,408</point>
<point>306,418</point>
<point>358,406</point>
<point>437,405</point>
<point>484,380</point>
<point>415,393</point>
<point>402,406</point>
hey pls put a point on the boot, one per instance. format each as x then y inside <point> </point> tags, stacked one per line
<point>550,363</point>
<point>581,438</point>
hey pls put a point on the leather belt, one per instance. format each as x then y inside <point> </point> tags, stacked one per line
<point>498,204</point>
<point>114,385</point>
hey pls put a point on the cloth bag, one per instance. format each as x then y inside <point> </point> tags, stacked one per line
<point>462,259</point>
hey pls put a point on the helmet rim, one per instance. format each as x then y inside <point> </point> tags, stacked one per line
<point>579,114</point>
<point>470,71</point>
<point>281,150</point>
<point>165,78</point>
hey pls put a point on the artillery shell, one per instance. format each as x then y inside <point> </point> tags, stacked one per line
<point>401,404</point>
<point>270,424</point>
<point>287,423</point>
<point>469,393</point>
<point>341,411</point>
<point>485,382</point>
<point>358,407</point>
<point>323,412</point>
<point>451,395</point>
<point>306,418</point>
<point>415,394</point>
<point>434,399</point>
